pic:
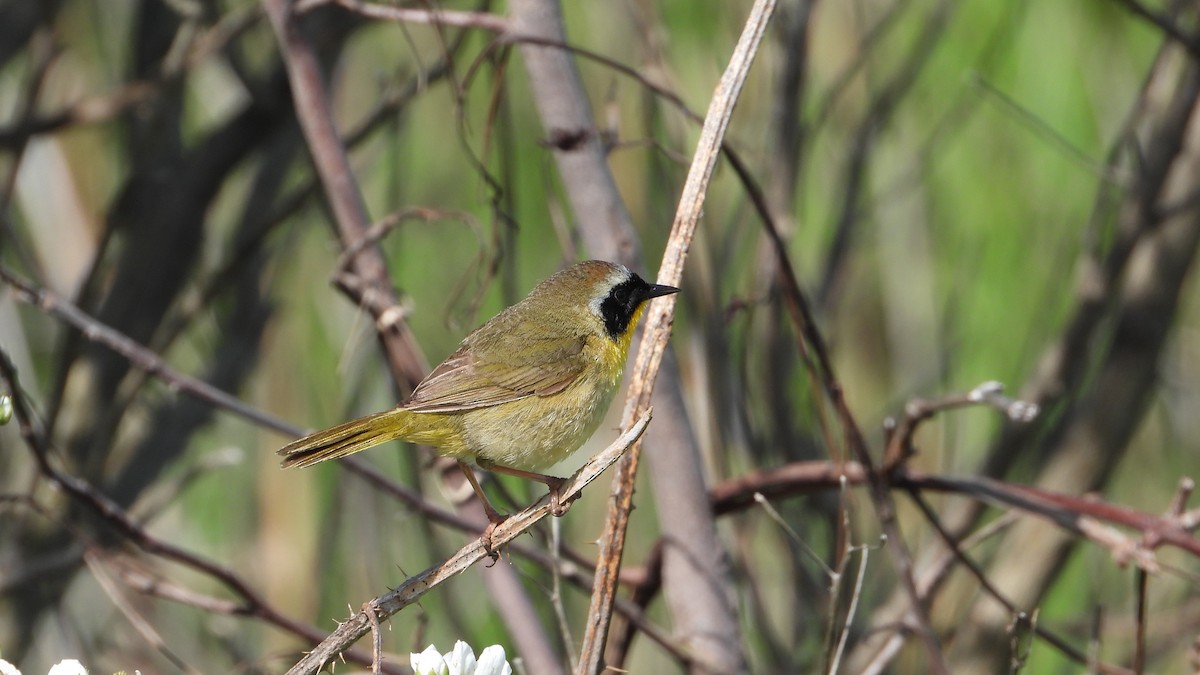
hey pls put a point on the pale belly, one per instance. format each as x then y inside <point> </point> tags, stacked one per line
<point>534,433</point>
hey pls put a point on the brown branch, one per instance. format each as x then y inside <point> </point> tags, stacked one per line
<point>154,365</point>
<point>900,438</point>
<point>1019,615</point>
<point>1165,24</point>
<point>138,356</point>
<point>1084,517</point>
<point>104,107</point>
<point>1078,515</point>
<point>315,114</point>
<point>414,587</point>
<point>434,17</point>
<point>111,513</point>
<point>658,327</point>
<point>1139,642</point>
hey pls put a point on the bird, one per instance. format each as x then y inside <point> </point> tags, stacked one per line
<point>522,392</point>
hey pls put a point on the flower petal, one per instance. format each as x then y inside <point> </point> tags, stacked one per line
<point>461,660</point>
<point>68,667</point>
<point>493,662</point>
<point>428,662</point>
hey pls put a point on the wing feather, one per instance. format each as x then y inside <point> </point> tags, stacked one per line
<point>510,368</point>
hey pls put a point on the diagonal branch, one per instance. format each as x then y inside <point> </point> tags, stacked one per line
<point>414,587</point>
<point>82,492</point>
<point>138,355</point>
<point>314,111</point>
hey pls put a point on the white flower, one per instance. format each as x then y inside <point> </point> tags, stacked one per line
<point>493,662</point>
<point>68,667</point>
<point>428,662</point>
<point>64,667</point>
<point>460,661</point>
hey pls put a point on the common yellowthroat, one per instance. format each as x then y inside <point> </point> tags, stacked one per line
<point>523,391</point>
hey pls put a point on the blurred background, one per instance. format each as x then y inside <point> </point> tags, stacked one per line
<point>968,191</point>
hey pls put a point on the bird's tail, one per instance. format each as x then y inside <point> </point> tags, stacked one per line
<point>346,439</point>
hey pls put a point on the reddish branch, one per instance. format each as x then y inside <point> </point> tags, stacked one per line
<point>1073,513</point>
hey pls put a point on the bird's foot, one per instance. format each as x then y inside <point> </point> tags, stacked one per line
<point>489,532</point>
<point>558,505</point>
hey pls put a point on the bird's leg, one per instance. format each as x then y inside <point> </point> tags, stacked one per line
<point>493,516</point>
<point>557,506</point>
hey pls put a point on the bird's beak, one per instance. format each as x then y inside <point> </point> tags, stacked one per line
<point>656,290</point>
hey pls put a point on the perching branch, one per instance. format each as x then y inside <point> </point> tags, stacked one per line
<point>152,364</point>
<point>414,587</point>
<point>658,329</point>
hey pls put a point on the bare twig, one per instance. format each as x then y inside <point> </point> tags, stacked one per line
<point>900,437</point>
<point>94,563</point>
<point>82,492</point>
<point>1019,615</point>
<point>844,633</point>
<point>104,107</point>
<point>376,639</point>
<point>314,111</point>
<point>153,364</point>
<point>657,331</point>
<point>1165,24</point>
<point>434,17</point>
<point>556,594</point>
<point>1082,516</point>
<point>139,356</point>
<point>1139,642</point>
<point>414,587</point>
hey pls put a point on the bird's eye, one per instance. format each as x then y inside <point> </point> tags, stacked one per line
<point>622,293</point>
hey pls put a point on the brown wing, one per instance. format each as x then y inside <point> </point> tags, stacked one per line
<point>491,369</point>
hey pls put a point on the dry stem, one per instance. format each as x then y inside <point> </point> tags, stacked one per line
<point>658,329</point>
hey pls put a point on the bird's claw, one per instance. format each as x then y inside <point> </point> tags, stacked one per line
<point>559,506</point>
<point>487,536</point>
